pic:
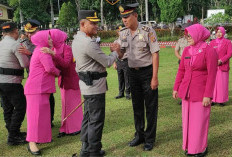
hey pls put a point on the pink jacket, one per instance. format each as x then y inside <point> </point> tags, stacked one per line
<point>224,52</point>
<point>198,67</point>
<point>64,61</point>
<point>42,69</point>
<point>68,78</point>
<point>196,81</point>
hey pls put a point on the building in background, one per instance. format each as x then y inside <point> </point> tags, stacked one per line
<point>6,13</point>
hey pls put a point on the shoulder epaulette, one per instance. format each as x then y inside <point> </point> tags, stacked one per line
<point>146,28</point>
<point>122,29</point>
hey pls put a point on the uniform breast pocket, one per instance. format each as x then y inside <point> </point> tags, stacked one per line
<point>124,44</point>
<point>141,46</point>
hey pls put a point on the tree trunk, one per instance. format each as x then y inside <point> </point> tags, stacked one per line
<point>172,27</point>
<point>141,11</point>
<point>77,5</point>
<point>52,13</point>
<point>102,22</point>
<point>21,15</point>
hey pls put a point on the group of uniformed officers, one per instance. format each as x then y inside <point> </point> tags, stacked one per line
<point>137,42</point>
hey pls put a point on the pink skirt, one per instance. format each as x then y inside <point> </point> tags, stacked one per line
<point>221,89</point>
<point>38,118</point>
<point>70,100</point>
<point>195,123</point>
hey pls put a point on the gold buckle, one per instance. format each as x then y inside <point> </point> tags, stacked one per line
<point>136,68</point>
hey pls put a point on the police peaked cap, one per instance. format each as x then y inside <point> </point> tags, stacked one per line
<point>8,27</point>
<point>31,25</point>
<point>127,7</point>
<point>90,15</point>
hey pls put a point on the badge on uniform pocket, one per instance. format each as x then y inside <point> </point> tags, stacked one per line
<point>141,37</point>
<point>124,39</point>
<point>188,57</point>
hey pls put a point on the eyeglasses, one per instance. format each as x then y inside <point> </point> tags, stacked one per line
<point>189,36</point>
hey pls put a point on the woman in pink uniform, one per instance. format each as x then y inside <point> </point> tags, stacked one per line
<point>223,48</point>
<point>39,85</point>
<point>69,84</point>
<point>194,85</point>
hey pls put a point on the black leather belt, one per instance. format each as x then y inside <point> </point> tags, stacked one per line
<point>141,68</point>
<point>89,76</point>
<point>8,71</point>
<point>122,59</point>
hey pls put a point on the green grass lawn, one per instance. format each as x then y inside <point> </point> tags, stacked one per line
<point>119,123</point>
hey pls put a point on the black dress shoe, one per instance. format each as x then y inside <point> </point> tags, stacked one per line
<point>128,97</point>
<point>16,140</point>
<point>135,142</point>
<point>74,133</point>
<point>222,104</point>
<point>119,96</point>
<point>148,146</point>
<point>61,134</point>
<point>98,154</point>
<point>33,153</point>
<point>200,154</point>
<point>74,155</point>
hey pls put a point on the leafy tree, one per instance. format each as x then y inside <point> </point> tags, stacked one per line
<point>31,9</point>
<point>170,10</point>
<point>67,16</point>
<point>217,19</point>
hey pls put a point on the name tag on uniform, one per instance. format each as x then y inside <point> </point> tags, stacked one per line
<point>215,47</point>
<point>187,57</point>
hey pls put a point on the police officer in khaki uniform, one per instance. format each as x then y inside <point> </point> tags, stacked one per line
<point>121,65</point>
<point>140,44</point>
<point>31,27</point>
<point>91,65</point>
<point>12,64</point>
<point>181,44</point>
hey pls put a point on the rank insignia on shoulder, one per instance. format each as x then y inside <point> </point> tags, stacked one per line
<point>122,29</point>
<point>145,28</point>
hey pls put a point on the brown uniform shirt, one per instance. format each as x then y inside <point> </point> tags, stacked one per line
<point>140,46</point>
<point>181,44</point>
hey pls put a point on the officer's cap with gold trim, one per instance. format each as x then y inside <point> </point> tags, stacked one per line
<point>8,27</point>
<point>90,15</point>
<point>31,25</point>
<point>127,7</point>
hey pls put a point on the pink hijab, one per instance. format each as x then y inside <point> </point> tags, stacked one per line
<point>199,34</point>
<point>222,29</point>
<point>58,39</point>
<point>40,39</point>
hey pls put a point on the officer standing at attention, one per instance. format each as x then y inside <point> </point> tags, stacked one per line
<point>12,64</point>
<point>181,44</point>
<point>140,44</point>
<point>121,65</point>
<point>32,27</point>
<point>91,65</point>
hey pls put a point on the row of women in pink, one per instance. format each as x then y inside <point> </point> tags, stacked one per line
<point>41,83</point>
<point>223,48</point>
<point>194,84</point>
<point>69,84</point>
